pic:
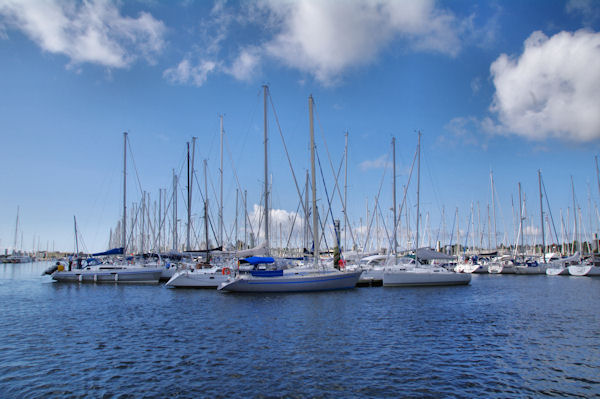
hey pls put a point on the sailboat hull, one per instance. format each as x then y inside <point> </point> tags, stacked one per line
<point>584,270</point>
<point>197,279</point>
<point>422,277</point>
<point>297,282</point>
<point>137,275</point>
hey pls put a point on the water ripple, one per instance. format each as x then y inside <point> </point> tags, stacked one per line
<point>502,336</point>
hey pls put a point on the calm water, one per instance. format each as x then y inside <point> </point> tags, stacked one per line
<point>502,336</point>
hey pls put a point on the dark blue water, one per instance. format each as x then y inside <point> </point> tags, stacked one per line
<point>502,336</point>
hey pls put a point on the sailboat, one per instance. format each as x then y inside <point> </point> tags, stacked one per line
<point>417,273</point>
<point>295,279</point>
<point>92,270</point>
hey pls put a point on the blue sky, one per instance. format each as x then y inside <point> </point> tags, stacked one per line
<point>511,87</point>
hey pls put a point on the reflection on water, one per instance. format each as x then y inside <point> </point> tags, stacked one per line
<point>502,336</point>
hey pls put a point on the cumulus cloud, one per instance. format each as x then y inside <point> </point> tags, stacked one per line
<point>380,163</point>
<point>186,72</point>
<point>325,38</point>
<point>552,89</point>
<point>89,32</point>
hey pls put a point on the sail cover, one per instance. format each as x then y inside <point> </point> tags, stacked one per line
<point>114,251</point>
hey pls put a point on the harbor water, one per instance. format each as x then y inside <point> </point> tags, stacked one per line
<point>501,336</point>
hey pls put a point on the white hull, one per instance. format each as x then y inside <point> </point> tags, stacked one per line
<point>112,274</point>
<point>584,270</point>
<point>424,277</point>
<point>294,282</point>
<point>469,268</point>
<point>371,275</point>
<point>557,271</point>
<point>539,269</point>
<point>496,268</point>
<point>208,278</point>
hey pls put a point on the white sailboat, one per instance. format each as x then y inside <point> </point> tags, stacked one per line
<point>295,279</point>
<point>97,272</point>
<point>417,273</point>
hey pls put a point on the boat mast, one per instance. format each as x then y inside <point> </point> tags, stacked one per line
<point>418,194</point>
<point>521,219</point>
<point>16,231</point>
<point>314,183</point>
<point>265,93</point>
<point>206,210</point>
<point>76,241</point>
<point>394,240</point>
<point>542,216</point>
<point>346,191</point>
<point>124,193</point>
<point>175,244</point>
<point>575,215</point>
<point>494,210</point>
<point>221,184</point>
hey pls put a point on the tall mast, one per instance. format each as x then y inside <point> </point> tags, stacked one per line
<point>175,244</point>
<point>265,93</point>
<point>314,183</point>
<point>16,230</point>
<point>394,240</point>
<point>245,219</point>
<point>76,241</point>
<point>575,215</point>
<point>206,209</point>
<point>418,194</point>
<point>521,218</point>
<point>221,184</point>
<point>345,191</point>
<point>494,210</point>
<point>542,216</point>
<point>306,215</point>
<point>159,216</point>
<point>124,193</point>
<point>189,200</point>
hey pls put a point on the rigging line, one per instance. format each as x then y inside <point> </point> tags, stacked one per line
<point>397,222</point>
<point>333,173</point>
<point>378,209</point>
<point>336,183</point>
<point>134,166</point>
<point>468,230</point>
<point>287,244</point>
<point>452,231</point>
<point>237,181</point>
<point>327,196</point>
<point>285,149</point>
<point>378,194</point>
<point>549,210</point>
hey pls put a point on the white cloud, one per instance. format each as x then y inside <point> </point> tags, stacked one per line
<point>93,31</point>
<point>587,9</point>
<point>245,65</point>
<point>185,72</point>
<point>324,38</point>
<point>552,89</point>
<point>380,163</point>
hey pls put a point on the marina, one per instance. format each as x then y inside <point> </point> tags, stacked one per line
<point>299,199</point>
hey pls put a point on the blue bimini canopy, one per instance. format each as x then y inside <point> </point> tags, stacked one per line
<point>114,251</point>
<point>255,260</point>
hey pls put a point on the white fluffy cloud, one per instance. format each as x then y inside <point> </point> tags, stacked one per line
<point>185,72</point>
<point>325,38</point>
<point>552,89</point>
<point>93,31</point>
